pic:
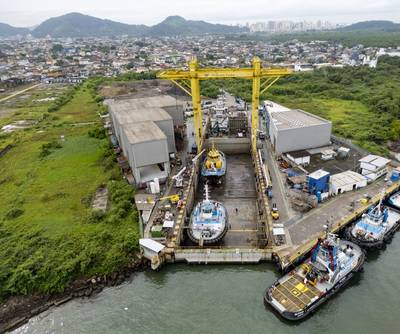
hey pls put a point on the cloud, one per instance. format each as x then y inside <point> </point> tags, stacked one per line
<point>28,12</point>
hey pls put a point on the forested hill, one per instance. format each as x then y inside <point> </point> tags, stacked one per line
<point>7,31</point>
<point>373,26</point>
<point>80,25</point>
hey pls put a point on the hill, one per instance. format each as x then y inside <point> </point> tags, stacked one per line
<point>79,25</point>
<point>373,25</point>
<point>8,31</point>
<point>177,25</point>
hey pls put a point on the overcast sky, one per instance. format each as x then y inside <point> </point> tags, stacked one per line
<point>32,12</point>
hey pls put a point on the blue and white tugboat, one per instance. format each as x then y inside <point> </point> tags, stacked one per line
<point>375,228</point>
<point>394,200</point>
<point>332,263</point>
<point>214,166</point>
<point>209,221</point>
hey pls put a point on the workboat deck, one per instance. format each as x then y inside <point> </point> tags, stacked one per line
<point>294,295</point>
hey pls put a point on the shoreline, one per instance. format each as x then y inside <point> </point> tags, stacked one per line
<point>18,310</point>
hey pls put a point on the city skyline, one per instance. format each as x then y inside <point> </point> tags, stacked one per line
<point>22,13</point>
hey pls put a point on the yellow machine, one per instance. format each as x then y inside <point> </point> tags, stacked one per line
<point>213,158</point>
<point>365,200</point>
<point>189,82</point>
<point>172,198</point>
<point>274,212</point>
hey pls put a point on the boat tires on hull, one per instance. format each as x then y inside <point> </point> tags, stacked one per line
<point>378,244</point>
<point>295,316</point>
<point>213,240</point>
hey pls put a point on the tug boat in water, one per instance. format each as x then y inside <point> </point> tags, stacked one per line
<point>214,166</point>
<point>332,263</point>
<point>394,200</point>
<point>209,221</point>
<point>375,228</point>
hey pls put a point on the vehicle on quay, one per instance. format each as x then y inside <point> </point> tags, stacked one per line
<point>332,264</point>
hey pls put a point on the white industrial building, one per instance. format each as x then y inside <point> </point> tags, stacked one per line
<point>144,129</point>
<point>299,157</point>
<point>346,181</point>
<point>373,166</point>
<point>294,129</point>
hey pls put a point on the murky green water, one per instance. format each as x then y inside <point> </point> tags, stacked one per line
<point>228,299</point>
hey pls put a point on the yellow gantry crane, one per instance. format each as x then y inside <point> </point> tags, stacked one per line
<point>189,82</point>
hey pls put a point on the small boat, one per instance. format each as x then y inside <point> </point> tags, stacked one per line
<point>208,222</point>
<point>332,263</point>
<point>214,166</point>
<point>394,200</point>
<point>375,228</point>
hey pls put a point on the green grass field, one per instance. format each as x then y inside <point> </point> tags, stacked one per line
<point>46,235</point>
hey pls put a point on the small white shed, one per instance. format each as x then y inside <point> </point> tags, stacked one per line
<point>346,181</point>
<point>374,166</point>
<point>150,248</point>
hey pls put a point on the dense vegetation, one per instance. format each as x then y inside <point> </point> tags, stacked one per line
<point>368,38</point>
<point>363,103</point>
<point>49,234</point>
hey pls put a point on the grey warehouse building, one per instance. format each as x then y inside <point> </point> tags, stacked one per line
<point>144,128</point>
<point>295,129</point>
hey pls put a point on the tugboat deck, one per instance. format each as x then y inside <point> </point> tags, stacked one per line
<point>294,295</point>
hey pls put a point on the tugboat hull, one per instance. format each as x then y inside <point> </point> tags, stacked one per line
<point>375,244</point>
<point>208,232</point>
<point>214,240</point>
<point>295,295</point>
<point>393,222</point>
<point>295,316</point>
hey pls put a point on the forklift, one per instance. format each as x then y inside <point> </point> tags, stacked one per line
<point>274,212</point>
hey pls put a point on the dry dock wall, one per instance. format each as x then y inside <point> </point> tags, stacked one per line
<point>230,145</point>
<point>234,255</point>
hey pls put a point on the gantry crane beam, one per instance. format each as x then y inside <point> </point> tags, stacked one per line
<point>189,82</point>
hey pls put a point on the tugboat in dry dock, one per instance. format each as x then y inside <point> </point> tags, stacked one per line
<point>209,221</point>
<point>214,166</point>
<point>333,262</point>
<point>375,228</point>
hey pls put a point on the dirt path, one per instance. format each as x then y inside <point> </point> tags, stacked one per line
<point>18,93</point>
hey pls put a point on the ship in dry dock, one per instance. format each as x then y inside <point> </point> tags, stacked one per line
<point>209,221</point>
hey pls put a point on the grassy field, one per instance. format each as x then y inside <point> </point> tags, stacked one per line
<point>49,234</point>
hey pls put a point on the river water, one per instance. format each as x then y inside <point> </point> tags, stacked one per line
<point>228,299</point>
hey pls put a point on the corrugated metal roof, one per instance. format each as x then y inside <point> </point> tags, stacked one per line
<point>142,132</point>
<point>375,160</point>
<point>151,244</point>
<point>133,116</point>
<point>320,173</point>
<point>346,178</point>
<point>146,102</point>
<point>295,118</point>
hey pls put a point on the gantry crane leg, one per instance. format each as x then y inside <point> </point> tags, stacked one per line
<point>255,102</point>
<point>196,101</point>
